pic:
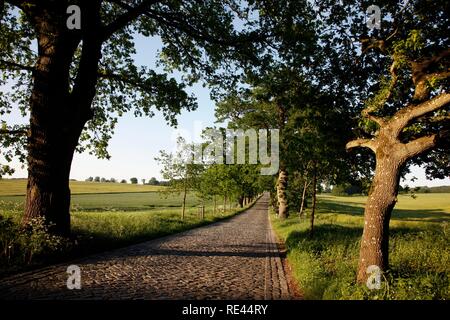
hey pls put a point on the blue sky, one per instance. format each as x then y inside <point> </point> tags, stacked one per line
<point>138,140</point>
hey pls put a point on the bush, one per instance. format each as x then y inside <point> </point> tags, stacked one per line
<point>24,245</point>
<point>340,190</point>
<point>346,189</point>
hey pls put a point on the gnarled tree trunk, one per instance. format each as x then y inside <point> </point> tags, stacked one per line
<point>391,155</point>
<point>57,117</point>
<point>53,135</point>
<point>382,198</point>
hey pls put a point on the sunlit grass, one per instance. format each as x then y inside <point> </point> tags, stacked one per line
<point>325,266</point>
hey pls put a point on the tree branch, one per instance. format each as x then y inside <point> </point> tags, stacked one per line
<point>420,66</point>
<point>106,74</point>
<point>366,113</point>
<point>175,22</point>
<point>420,76</point>
<point>367,143</point>
<point>179,24</point>
<point>407,114</point>
<point>419,145</point>
<point>123,20</point>
<point>17,65</point>
<point>13,132</point>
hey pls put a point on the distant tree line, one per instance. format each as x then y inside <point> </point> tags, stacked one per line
<point>348,189</point>
<point>423,189</point>
<point>152,181</point>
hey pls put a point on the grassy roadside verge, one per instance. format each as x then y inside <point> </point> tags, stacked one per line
<point>325,266</point>
<point>92,232</point>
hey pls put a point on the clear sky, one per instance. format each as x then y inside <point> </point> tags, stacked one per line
<point>138,140</point>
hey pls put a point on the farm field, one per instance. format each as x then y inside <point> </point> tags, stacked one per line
<point>126,201</point>
<point>12,187</point>
<point>325,265</point>
<point>103,221</point>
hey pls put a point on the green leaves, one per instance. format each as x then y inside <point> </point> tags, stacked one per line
<point>198,38</point>
<point>414,41</point>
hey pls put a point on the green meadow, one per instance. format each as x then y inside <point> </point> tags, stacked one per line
<point>324,265</point>
<point>15,187</point>
<point>101,221</point>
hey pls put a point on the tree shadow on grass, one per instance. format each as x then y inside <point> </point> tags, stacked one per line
<point>325,235</point>
<point>289,222</point>
<point>329,235</point>
<point>421,215</point>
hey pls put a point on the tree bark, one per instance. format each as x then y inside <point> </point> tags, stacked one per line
<point>391,155</point>
<point>241,202</point>
<point>314,198</point>
<point>382,198</point>
<point>224,203</point>
<point>53,134</point>
<point>58,112</point>
<point>203,209</point>
<point>302,204</point>
<point>183,209</point>
<point>281,194</point>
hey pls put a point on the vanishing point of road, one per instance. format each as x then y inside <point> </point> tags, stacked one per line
<point>235,258</point>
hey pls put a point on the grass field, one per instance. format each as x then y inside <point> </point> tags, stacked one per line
<point>325,265</point>
<point>12,187</point>
<point>105,221</point>
<point>128,201</point>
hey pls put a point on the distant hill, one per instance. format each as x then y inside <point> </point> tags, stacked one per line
<point>12,187</point>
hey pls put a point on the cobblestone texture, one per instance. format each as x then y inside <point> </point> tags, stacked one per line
<point>231,259</point>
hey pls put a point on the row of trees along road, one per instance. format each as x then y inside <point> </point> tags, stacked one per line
<point>309,68</point>
<point>239,183</point>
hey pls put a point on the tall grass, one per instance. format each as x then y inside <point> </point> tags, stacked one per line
<point>325,265</point>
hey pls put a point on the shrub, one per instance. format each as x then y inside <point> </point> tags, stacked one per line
<point>23,245</point>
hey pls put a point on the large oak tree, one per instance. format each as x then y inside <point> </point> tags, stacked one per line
<point>406,119</point>
<point>73,84</point>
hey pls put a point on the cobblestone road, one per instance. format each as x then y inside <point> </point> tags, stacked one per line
<point>231,259</point>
